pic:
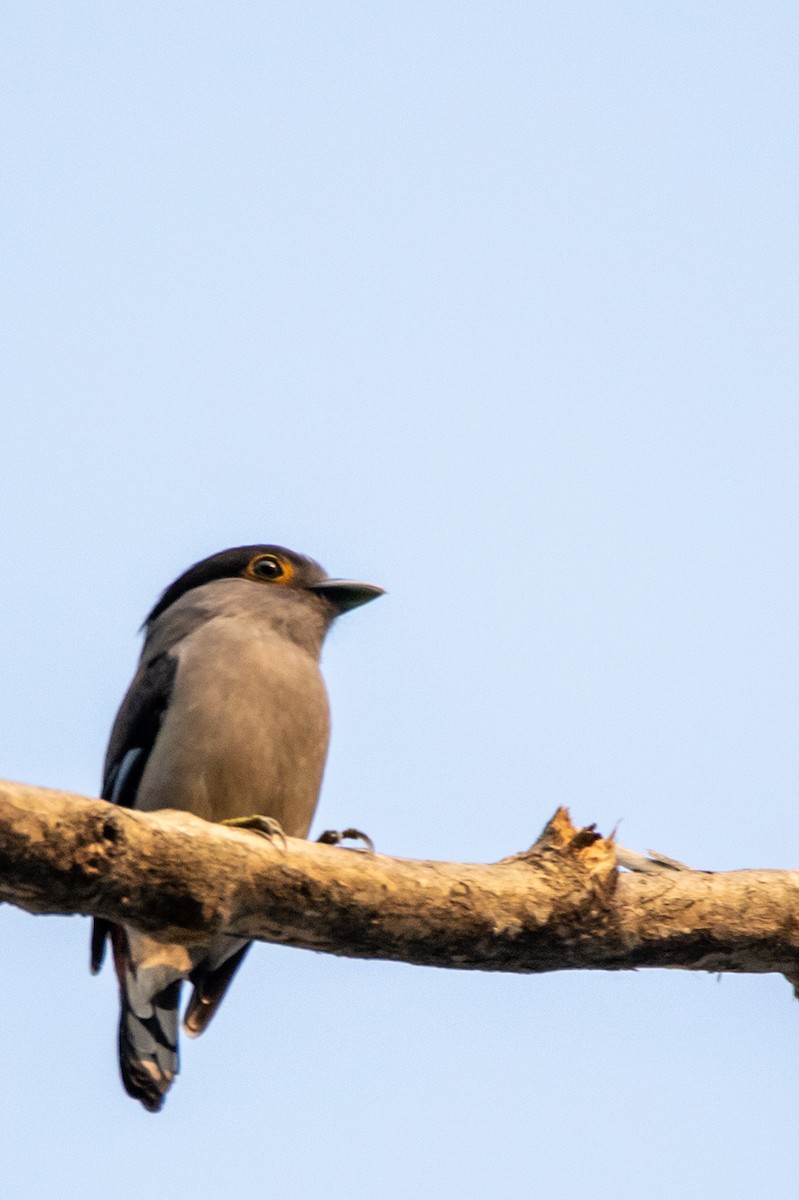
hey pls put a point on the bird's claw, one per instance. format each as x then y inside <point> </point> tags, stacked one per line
<point>267,827</point>
<point>334,837</point>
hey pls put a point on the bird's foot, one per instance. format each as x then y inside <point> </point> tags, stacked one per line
<point>334,837</point>
<point>267,827</point>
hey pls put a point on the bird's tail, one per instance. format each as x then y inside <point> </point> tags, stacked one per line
<point>148,1047</point>
<point>148,1030</point>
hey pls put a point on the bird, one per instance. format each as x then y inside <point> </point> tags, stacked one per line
<point>226,717</point>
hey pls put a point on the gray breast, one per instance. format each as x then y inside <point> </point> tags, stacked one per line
<point>246,730</point>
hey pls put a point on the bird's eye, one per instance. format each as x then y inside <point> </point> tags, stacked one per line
<point>266,567</point>
<point>269,567</point>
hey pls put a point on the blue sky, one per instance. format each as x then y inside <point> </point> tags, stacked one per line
<point>496,306</point>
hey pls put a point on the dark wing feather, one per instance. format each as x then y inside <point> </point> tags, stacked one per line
<point>136,728</point>
<point>209,988</point>
<point>132,739</point>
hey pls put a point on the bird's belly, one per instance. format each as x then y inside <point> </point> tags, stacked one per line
<point>246,732</point>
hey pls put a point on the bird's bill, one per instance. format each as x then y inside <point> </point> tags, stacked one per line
<point>345,593</point>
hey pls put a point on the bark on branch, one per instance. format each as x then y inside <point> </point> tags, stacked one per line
<point>562,904</point>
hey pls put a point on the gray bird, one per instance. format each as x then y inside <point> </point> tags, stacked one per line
<point>227,716</point>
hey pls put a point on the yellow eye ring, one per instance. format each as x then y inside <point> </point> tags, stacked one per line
<point>269,568</point>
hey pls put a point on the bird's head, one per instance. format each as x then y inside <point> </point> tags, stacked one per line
<point>272,567</point>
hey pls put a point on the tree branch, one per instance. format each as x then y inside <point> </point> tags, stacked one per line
<point>562,904</point>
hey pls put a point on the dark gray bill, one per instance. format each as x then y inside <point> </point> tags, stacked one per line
<point>345,593</point>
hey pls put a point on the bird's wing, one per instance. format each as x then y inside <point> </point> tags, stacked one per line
<point>132,739</point>
<point>136,728</point>
<point>210,985</point>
